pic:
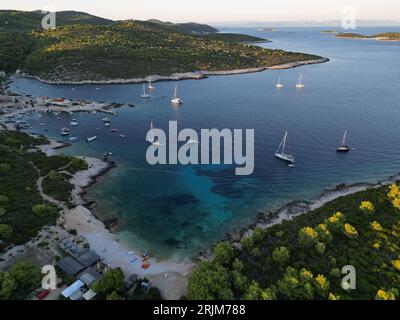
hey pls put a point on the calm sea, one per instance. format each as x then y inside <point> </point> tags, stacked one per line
<point>176,211</point>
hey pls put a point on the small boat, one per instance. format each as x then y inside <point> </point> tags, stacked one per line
<point>131,252</point>
<point>175,99</point>
<point>64,133</point>
<point>107,124</point>
<point>343,148</point>
<point>74,123</point>
<point>145,94</point>
<point>91,139</point>
<point>73,139</point>
<point>291,165</point>
<point>114,130</point>
<point>300,83</point>
<point>97,88</point>
<point>122,136</point>
<point>73,89</point>
<point>280,152</point>
<point>151,137</point>
<point>279,84</point>
<point>106,119</point>
<point>42,124</point>
<point>150,86</point>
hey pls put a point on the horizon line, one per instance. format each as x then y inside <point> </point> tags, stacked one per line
<point>216,22</point>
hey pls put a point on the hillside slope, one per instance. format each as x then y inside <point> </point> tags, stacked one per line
<point>84,47</point>
<point>26,21</point>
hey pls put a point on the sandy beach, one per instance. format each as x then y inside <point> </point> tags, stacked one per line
<point>169,276</point>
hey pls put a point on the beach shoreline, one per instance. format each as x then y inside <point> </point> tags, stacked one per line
<point>196,75</point>
<point>168,275</point>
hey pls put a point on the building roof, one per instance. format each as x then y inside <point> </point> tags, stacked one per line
<point>89,275</point>
<point>88,258</point>
<point>70,266</point>
<point>72,289</point>
<point>77,295</point>
<point>89,295</point>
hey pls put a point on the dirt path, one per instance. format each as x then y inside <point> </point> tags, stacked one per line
<point>48,198</point>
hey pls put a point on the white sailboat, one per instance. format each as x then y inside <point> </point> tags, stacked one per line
<point>300,83</point>
<point>175,98</point>
<point>91,139</point>
<point>343,145</point>
<point>280,152</point>
<point>279,85</point>
<point>150,86</point>
<point>145,94</point>
<point>65,131</point>
<point>151,137</point>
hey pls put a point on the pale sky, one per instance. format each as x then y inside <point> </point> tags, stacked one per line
<point>218,10</point>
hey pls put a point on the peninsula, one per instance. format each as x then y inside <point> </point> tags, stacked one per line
<point>386,36</point>
<point>98,50</point>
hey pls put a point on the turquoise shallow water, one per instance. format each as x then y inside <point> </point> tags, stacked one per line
<point>179,210</point>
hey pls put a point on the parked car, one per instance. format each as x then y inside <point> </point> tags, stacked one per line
<point>43,294</point>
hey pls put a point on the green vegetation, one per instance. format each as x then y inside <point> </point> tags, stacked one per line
<point>351,35</point>
<point>129,49</point>
<point>19,281</point>
<point>303,258</point>
<point>14,49</point>
<point>190,28</point>
<point>26,21</point>
<point>388,36</point>
<point>56,185</point>
<point>23,212</point>
<point>111,287</point>
<point>235,37</point>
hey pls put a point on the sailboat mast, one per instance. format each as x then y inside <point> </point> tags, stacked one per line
<point>344,138</point>
<point>284,143</point>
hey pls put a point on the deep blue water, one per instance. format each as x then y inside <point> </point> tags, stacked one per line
<point>178,210</point>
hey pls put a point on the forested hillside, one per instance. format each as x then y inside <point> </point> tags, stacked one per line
<point>130,49</point>
<point>303,258</point>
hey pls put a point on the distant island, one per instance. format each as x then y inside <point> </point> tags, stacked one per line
<point>88,48</point>
<point>386,36</point>
<point>266,29</point>
<point>330,31</point>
